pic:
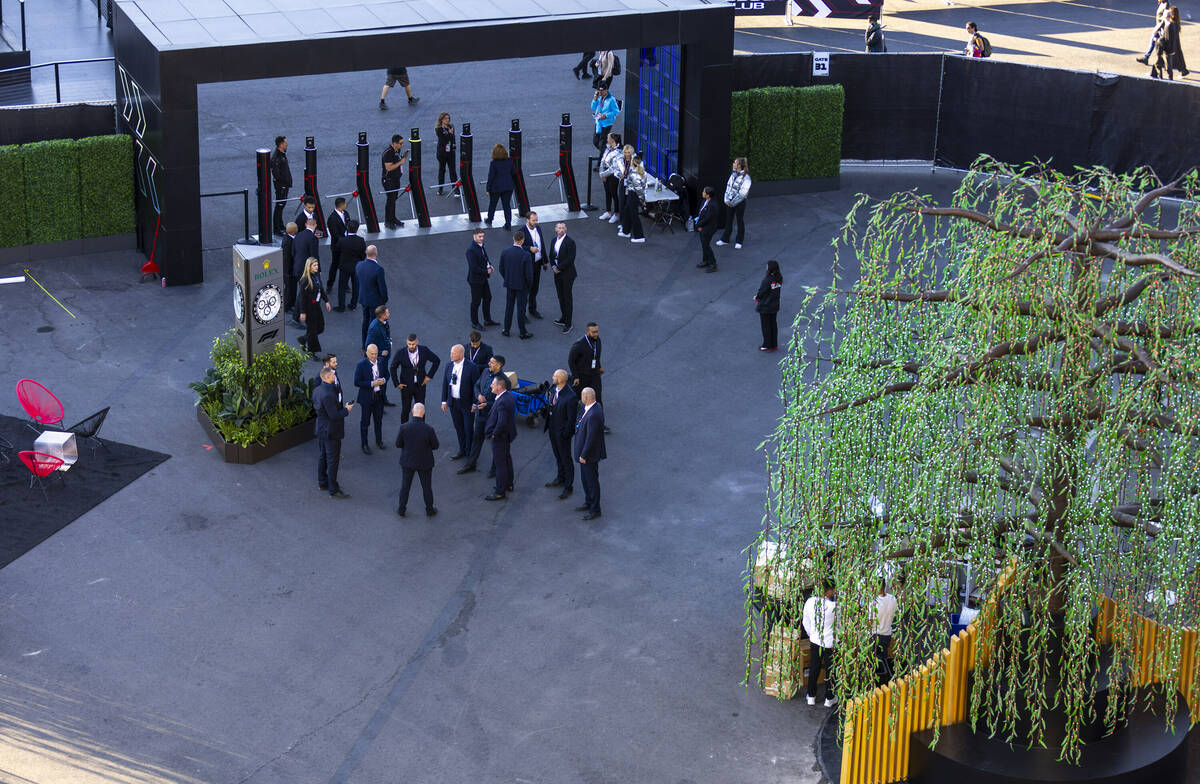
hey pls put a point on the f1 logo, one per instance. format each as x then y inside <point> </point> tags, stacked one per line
<point>266,336</point>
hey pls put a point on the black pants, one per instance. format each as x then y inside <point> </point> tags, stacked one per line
<point>502,458</point>
<point>770,329</point>
<point>445,164</point>
<point>585,61</point>
<point>707,258</point>
<point>426,475</point>
<point>481,294</point>
<point>736,211</point>
<point>883,671</point>
<point>460,415</point>
<point>589,477</point>
<point>314,325</point>
<point>566,301</point>
<point>533,287</point>
<point>495,198</point>
<point>368,314</point>
<point>348,280</point>
<point>819,658</point>
<point>631,219</point>
<point>562,456</point>
<point>373,410</point>
<point>611,203</point>
<point>281,192</point>
<point>600,138</point>
<point>289,287</point>
<point>329,456</point>
<point>479,423</point>
<point>597,386</point>
<point>516,298</point>
<point>412,393</point>
<point>389,207</point>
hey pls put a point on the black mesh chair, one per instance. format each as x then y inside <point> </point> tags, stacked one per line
<point>6,449</point>
<point>88,428</point>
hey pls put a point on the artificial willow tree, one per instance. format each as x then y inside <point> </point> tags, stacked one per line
<point>1012,382</point>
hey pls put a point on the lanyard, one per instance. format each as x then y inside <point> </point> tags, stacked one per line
<point>593,348</point>
<point>475,351</point>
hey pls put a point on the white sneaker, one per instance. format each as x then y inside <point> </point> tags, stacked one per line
<point>638,239</point>
<point>811,700</point>
<point>605,215</point>
<point>737,246</point>
<point>614,219</point>
<point>623,235</point>
<point>721,242</point>
<point>829,703</point>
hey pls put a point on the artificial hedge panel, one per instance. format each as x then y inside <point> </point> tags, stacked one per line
<point>818,139</point>
<point>739,125</point>
<point>772,130</point>
<point>106,185</point>
<point>14,229</point>
<point>52,202</point>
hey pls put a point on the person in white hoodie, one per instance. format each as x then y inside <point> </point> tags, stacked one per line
<point>818,620</point>
<point>736,191</point>
<point>884,614</point>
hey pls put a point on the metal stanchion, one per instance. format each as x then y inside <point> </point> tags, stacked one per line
<point>310,182</point>
<point>589,205</point>
<point>466,179</point>
<point>566,177</point>
<point>416,194</point>
<point>262,157</point>
<point>514,152</point>
<point>366,204</point>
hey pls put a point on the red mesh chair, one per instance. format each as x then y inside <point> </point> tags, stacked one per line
<point>40,403</point>
<point>40,465</point>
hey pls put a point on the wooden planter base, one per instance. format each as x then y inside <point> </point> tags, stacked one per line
<point>255,452</point>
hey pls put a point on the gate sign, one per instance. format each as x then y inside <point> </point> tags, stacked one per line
<point>842,9</point>
<point>820,64</point>
<point>258,298</point>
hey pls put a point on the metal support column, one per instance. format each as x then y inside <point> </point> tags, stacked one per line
<point>310,181</point>
<point>362,181</point>
<point>263,195</point>
<point>567,174</point>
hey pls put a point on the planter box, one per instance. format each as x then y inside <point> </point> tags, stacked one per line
<point>305,431</point>
<point>23,254</point>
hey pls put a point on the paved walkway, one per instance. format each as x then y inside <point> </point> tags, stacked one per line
<point>58,30</point>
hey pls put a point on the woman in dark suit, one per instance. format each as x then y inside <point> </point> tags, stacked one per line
<point>500,184</point>
<point>767,305</point>
<point>445,150</point>
<point>312,298</point>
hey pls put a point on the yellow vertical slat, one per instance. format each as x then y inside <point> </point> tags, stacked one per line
<point>860,743</point>
<point>848,745</point>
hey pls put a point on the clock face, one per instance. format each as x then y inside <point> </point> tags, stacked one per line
<point>239,302</point>
<point>267,303</point>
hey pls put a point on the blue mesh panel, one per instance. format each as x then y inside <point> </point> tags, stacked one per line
<point>659,72</point>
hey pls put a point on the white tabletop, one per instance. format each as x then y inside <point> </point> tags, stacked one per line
<point>658,191</point>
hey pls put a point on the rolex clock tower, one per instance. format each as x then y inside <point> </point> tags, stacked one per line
<point>258,298</point>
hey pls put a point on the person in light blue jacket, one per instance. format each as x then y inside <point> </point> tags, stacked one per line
<point>605,110</point>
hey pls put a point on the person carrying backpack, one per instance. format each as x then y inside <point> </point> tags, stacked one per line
<point>977,45</point>
<point>874,35</point>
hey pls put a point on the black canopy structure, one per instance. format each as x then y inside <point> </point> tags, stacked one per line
<point>678,69</point>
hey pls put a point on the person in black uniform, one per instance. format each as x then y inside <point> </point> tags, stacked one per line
<point>281,176</point>
<point>478,351</point>
<point>706,227</point>
<point>445,152</point>
<point>767,305</point>
<point>458,394</point>
<point>304,247</point>
<point>561,255</point>
<point>287,246</point>
<point>336,226</point>
<point>307,212</point>
<point>535,244</point>
<point>412,368</point>
<point>584,363</point>
<point>393,167</point>
<point>417,443</point>
<point>312,298</point>
<point>560,427</point>
<point>330,429</point>
<point>351,250</point>
<point>479,268</point>
<point>481,408</point>
<point>501,429</point>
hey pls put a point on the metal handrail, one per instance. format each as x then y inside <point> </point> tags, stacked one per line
<point>55,65</point>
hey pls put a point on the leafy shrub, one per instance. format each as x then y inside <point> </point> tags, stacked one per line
<point>51,199</point>
<point>818,136</point>
<point>739,125</point>
<point>14,229</point>
<point>106,185</point>
<point>772,131</point>
<point>788,132</point>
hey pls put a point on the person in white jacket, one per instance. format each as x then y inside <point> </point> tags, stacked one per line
<point>736,191</point>
<point>818,619</point>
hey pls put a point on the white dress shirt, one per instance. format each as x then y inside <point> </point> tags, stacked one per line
<point>456,378</point>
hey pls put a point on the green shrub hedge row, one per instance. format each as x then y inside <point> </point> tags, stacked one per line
<point>788,133</point>
<point>65,189</point>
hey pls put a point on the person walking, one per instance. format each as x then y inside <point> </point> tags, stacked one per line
<point>977,45</point>
<point>766,303</point>
<point>330,430</point>
<point>418,443</point>
<point>1162,11</point>
<point>372,287</point>
<point>481,409</point>
<point>393,168</point>
<point>706,228</point>
<point>516,268</point>
<point>353,249</point>
<point>874,35</point>
<point>396,75</point>
<point>1178,62</point>
<point>635,198</point>
<point>886,607</point>
<point>479,269</point>
<point>737,188</point>
<point>501,180</point>
<point>563,410</point>
<point>589,451</point>
<point>610,160</point>
<point>605,66</point>
<point>370,376</point>
<point>458,384</point>
<point>281,178</point>
<point>1167,48</point>
<point>604,110</point>
<point>581,69</point>
<point>312,299</point>
<point>445,152</point>
<point>561,255</point>
<point>413,367</point>
<point>818,620</point>
<point>501,429</point>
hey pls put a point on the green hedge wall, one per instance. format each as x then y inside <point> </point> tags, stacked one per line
<point>788,133</point>
<point>52,190</point>
<point>14,226</point>
<point>106,185</point>
<point>65,189</point>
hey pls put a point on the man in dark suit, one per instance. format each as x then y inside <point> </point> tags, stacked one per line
<point>560,426</point>
<point>307,212</point>
<point>380,333</point>
<point>304,247</point>
<point>706,225</point>
<point>516,267</point>
<point>336,224</point>
<point>561,255</point>
<point>589,451</point>
<point>478,270</point>
<point>536,246</point>
<point>478,351</point>
<point>287,248</point>
<point>330,429</point>
<point>482,409</point>
<point>412,368</point>
<point>281,176</point>
<point>458,385</point>
<point>370,376</point>
<point>584,362</point>
<point>351,250</point>
<point>417,443</point>
<point>501,428</point>
<point>372,287</point>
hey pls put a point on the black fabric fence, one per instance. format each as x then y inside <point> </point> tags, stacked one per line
<point>952,109</point>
